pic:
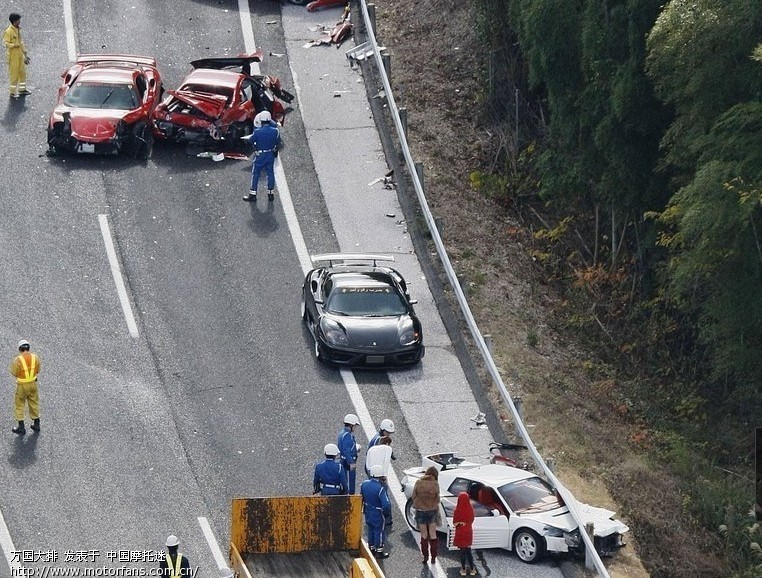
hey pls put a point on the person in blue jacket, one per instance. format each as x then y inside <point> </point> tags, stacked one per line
<point>265,140</point>
<point>330,478</point>
<point>385,428</point>
<point>377,508</point>
<point>348,449</point>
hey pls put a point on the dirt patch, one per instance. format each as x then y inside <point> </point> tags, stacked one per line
<point>571,407</point>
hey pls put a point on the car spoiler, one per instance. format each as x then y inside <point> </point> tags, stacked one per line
<point>331,257</point>
<point>242,62</point>
<point>115,58</point>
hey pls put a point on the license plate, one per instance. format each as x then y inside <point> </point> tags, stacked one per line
<point>374,359</point>
<point>86,148</point>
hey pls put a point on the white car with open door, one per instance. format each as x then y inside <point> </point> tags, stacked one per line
<point>514,509</point>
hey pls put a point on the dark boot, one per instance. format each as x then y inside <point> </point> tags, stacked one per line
<point>434,545</point>
<point>36,425</point>
<point>380,553</point>
<point>20,429</point>
<point>270,195</point>
<point>425,550</point>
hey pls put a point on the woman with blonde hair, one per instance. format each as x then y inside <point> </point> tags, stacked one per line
<point>426,504</point>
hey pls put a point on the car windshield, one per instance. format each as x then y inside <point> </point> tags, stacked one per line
<point>365,302</point>
<point>112,96</point>
<point>533,494</point>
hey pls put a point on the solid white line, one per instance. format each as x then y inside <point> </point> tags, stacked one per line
<point>6,543</point>
<point>392,480</point>
<point>71,45</point>
<point>219,558</point>
<point>117,274</point>
<point>248,32</point>
<point>304,259</point>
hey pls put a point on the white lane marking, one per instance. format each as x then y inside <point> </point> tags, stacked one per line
<point>117,274</point>
<point>304,259</point>
<point>248,31</point>
<point>6,543</point>
<point>71,45</point>
<point>392,480</point>
<point>219,559</point>
<point>284,192</point>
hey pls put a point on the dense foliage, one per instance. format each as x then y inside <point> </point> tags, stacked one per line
<point>647,147</point>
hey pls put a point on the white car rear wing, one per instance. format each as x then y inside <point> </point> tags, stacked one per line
<point>344,257</point>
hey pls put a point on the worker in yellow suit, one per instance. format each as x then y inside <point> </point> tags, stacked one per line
<point>25,367</point>
<point>17,56</point>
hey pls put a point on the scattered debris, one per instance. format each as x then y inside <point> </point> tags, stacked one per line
<point>338,34</point>
<point>318,4</point>
<point>362,51</point>
<point>391,215</point>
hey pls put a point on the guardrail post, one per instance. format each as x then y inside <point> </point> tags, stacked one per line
<point>372,17</point>
<point>590,529</point>
<point>488,342</point>
<point>419,172</point>
<point>519,410</point>
<point>386,60</point>
<point>403,119</point>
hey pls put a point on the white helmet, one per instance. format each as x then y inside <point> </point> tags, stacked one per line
<point>377,471</point>
<point>262,117</point>
<point>226,572</point>
<point>387,425</point>
<point>351,419</point>
<point>172,541</point>
<point>22,343</point>
<point>331,450</point>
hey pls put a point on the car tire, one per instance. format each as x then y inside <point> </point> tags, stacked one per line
<point>142,137</point>
<point>299,2</point>
<point>529,547</point>
<point>410,514</point>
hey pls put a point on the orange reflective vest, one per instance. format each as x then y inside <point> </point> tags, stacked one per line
<point>27,367</point>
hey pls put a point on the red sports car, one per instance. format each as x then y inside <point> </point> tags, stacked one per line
<point>216,104</point>
<point>104,106</point>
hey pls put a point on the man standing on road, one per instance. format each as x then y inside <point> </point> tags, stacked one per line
<point>377,508</point>
<point>264,140</point>
<point>330,478</point>
<point>348,449</point>
<point>385,428</point>
<point>17,57</point>
<point>25,367</point>
<point>174,564</point>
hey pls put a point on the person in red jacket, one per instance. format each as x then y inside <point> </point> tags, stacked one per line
<point>463,520</point>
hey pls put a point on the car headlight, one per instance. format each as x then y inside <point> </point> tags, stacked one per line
<point>333,333</point>
<point>409,336</point>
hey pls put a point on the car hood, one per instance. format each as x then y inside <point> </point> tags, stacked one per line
<point>602,519</point>
<point>93,123</point>
<point>371,333</point>
<point>211,105</point>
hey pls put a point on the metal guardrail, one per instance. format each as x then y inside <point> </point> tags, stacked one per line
<point>569,499</point>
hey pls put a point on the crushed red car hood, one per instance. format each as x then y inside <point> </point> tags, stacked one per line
<point>211,105</point>
<point>93,124</point>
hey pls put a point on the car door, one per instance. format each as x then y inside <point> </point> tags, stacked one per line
<point>490,525</point>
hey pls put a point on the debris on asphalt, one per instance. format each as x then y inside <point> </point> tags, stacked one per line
<point>336,35</point>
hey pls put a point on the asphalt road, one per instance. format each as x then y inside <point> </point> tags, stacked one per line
<point>217,395</point>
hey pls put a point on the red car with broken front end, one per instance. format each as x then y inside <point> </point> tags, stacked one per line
<point>104,106</point>
<point>216,103</point>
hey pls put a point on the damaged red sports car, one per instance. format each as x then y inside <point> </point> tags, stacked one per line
<point>104,106</point>
<point>216,104</point>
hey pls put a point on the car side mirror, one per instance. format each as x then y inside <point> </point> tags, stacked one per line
<point>496,512</point>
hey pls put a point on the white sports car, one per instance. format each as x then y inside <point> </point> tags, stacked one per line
<point>515,510</point>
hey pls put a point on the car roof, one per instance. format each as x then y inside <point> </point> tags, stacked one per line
<point>107,75</point>
<point>491,474</point>
<point>211,77</point>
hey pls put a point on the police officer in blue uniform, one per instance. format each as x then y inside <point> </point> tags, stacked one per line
<point>330,478</point>
<point>348,449</point>
<point>265,140</point>
<point>377,508</point>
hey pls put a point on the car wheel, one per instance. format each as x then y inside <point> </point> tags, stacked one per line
<point>410,515</point>
<point>529,547</point>
<point>142,138</point>
<point>299,2</point>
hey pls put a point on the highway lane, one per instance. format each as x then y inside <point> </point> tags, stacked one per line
<point>228,395</point>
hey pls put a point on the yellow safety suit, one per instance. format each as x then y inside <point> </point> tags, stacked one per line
<point>17,59</point>
<point>24,368</point>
